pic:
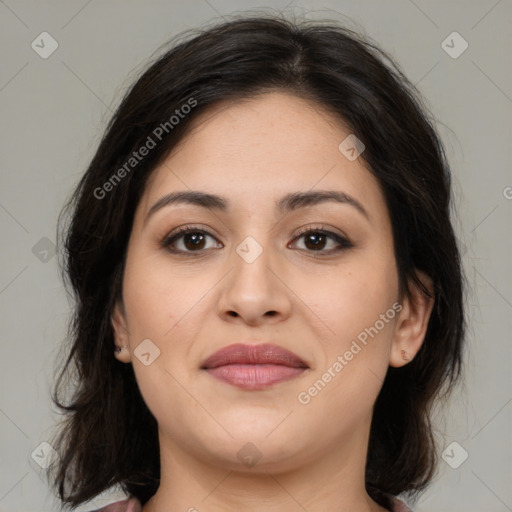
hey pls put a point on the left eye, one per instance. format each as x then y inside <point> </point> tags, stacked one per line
<point>317,239</point>
<point>188,240</point>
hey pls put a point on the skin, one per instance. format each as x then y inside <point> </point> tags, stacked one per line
<point>253,152</point>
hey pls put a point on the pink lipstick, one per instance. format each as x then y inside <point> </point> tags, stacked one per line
<point>254,367</point>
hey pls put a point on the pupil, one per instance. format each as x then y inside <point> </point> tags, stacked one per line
<point>318,242</point>
<point>196,240</point>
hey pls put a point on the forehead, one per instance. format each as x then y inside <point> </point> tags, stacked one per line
<point>259,149</point>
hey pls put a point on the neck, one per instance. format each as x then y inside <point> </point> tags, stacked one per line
<point>333,480</point>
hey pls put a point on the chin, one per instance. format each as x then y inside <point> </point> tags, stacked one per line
<point>257,457</point>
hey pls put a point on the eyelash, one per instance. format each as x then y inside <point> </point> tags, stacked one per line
<point>342,241</point>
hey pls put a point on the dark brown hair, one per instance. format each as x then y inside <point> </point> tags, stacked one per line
<point>109,436</point>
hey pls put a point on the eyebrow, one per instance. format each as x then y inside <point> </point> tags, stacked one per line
<point>289,202</point>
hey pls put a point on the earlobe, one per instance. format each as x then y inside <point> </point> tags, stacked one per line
<point>120,329</point>
<point>412,323</point>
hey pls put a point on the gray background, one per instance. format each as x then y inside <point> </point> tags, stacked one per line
<point>54,111</point>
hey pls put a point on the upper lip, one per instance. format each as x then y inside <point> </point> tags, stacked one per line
<point>240,353</point>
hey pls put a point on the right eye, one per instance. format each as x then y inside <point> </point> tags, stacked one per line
<point>191,240</point>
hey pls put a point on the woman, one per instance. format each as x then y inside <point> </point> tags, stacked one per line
<point>269,295</point>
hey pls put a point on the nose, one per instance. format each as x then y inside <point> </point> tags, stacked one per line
<point>255,292</point>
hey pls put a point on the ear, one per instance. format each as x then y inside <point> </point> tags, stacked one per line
<point>121,338</point>
<point>412,323</point>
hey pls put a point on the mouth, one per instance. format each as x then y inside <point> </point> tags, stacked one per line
<point>253,367</point>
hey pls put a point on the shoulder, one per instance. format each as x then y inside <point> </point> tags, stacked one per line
<point>131,504</point>
<point>398,505</point>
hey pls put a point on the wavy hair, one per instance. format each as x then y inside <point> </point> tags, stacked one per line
<point>109,437</point>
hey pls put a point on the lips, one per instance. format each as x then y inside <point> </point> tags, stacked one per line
<point>253,354</point>
<point>254,367</point>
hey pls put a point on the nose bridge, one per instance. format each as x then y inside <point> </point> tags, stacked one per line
<point>253,290</point>
<point>252,261</point>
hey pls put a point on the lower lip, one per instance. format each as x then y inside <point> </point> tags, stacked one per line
<point>254,376</point>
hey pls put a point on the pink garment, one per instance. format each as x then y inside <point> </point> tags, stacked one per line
<point>133,505</point>
<point>128,505</point>
<point>398,505</point>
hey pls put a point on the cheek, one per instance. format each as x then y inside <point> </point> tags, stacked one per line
<point>359,309</point>
<point>354,298</point>
<point>166,305</point>
<point>155,296</point>
<point>158,307</point>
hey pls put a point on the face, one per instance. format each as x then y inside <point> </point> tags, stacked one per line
<point>250,273</point>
